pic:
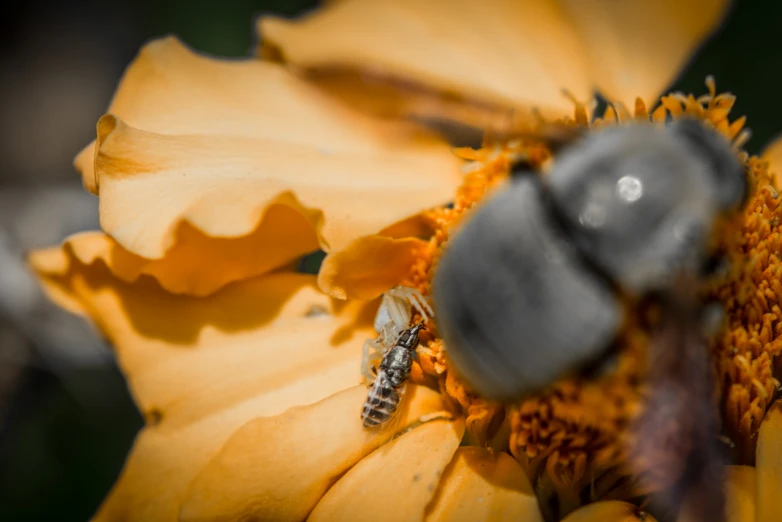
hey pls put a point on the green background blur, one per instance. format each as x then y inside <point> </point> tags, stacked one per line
<point>65,429</point>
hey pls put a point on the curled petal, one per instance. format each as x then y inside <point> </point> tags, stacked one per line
<point>368,267</point>
<point>740,494</point>
<point>182,270</point>
<point>480,485</point>
<point>608,511</point>
<point>397,481</point>
<point>158,190</point>
<point>768,463</point>
<point>278,468</point>
<point>274,341</point>
<point>169,89</point>
<point>242,163</point>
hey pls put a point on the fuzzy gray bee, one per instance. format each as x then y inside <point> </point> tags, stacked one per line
<point>389,385</point>
<point>535,284</point>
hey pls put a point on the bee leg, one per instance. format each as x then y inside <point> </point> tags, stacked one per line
<point>370,356</point>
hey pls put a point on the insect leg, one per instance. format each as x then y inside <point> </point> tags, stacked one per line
<point>404,294</point>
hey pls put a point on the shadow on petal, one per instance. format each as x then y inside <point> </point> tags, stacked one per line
<point>186,358</point>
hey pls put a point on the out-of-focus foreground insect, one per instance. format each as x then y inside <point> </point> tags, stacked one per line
<point>537,283</point>
<point>393,349</point>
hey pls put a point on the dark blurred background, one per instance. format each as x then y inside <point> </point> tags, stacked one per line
<point>66,420</point>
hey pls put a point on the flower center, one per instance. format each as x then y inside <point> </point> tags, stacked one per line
<point>574,436</point>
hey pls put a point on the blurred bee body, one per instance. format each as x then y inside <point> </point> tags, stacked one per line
<point>388,388</point>
<point>531,287</point>
<point>536,283</point>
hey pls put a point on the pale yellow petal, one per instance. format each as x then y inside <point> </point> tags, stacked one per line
<point>740,494</point>
<point>278,468</point>
<point>480,485</point>
<point>170,89</point>
<point>224,186</point>
<point>482,57</point>
<point>254,169</point>
<point>510,54</point>
<point>768,464</point>
<point>773,154</point>
<point>397,481</point>
<point>636,48</point>
<point>275,340</point>
<point>368,267</point>
<point>608,511</point>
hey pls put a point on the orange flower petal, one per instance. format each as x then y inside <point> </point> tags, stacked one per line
<point>278,468</point>
<point>223,185</point>
<point>608,511</point>
<point>768,464</point>
<point>181,271</point>
<point>773,154</point>
<point>368,267</point>
<point>397,481</point>
<point>740,494</point>
<point>274,341</point>
<point>241,163</point>
<point>169,89</point>
<point>479,485</point>
<point>503,53</point>
<point>163,462</point>
<point>510,54</point>
<point>637,48</point>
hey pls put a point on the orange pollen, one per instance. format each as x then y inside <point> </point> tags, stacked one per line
<point>574,437</point>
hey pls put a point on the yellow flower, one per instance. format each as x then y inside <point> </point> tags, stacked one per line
<point>215,177</point>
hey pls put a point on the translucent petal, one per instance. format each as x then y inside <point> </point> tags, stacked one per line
<point>496,54</point>
<point>510,54</point>
<point>636,49</point>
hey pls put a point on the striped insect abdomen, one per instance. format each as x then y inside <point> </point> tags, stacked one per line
<point>381,402</point>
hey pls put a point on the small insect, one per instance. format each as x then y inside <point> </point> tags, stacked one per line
<point>389,385</point>
<point>392,318</point>
<point>535,285</point>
